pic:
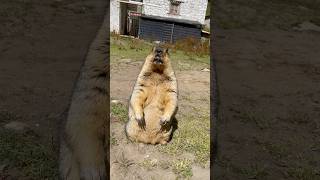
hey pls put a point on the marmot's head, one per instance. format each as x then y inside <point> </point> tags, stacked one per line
<point>158,58</point>
<point>160,55</point>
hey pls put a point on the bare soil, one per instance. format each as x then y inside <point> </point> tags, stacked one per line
<point>139,161</point>
<point>42,47</point>
<point>268,77</point>
<point>268,125</point>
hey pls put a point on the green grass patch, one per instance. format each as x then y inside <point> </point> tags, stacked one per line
<point>149,163</point>
<point>119,111</point>
<point>31,157</point>
<point>113,140</point>
<point>182,168</point>
<point>185,54</point>
<point>124,48</point>
<point>192,136</point>
<point>247,116</point>
<point>303,173</point>
<point>255,172</point>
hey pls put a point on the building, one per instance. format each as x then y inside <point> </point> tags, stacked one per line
<point>163,20</point>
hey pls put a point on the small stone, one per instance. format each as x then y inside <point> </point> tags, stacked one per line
<point>205,70</point>
<point>16,126</point>
<point>115,101</point>
<point>126,60</point>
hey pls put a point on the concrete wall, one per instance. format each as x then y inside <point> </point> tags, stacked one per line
<point>114,16</point>
<point>193,10</point>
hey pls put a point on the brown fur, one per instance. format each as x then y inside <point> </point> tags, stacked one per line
<point>153,100</point>
<point>83,149</point>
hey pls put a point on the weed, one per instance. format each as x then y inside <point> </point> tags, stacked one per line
<point>114,140</point>
<point>120,112</point>
<point>182,168</point>
<point>303,173</point>
<point>276,150</point>
<point>191,46</point>
<point>250,116</point>
<point>193,136</point>
<point>298,117</point>
<point>149,163</point>
<point>255,172</point>
<point>187,98</point>
<point>123,162</point>
<point>25,152</point>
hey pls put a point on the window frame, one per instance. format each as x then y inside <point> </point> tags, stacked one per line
<point>174,7</point>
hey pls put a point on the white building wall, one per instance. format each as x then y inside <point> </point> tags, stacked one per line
<point>114,16</point>
<point>193,10</point>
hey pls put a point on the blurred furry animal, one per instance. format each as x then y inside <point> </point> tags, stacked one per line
<point>153,102</point>
<point>84,141</point>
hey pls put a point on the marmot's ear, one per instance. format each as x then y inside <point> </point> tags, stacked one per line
<point>166,50</point>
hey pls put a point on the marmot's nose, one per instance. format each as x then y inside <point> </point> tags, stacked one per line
<point>159,51</point>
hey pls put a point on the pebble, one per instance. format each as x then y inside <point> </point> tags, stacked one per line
<point>205,70</point>
<point>115,101</point>
<point>126,60</point>
<point>16,126</point>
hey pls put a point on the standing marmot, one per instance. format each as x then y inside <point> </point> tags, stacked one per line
<point>153,102</point>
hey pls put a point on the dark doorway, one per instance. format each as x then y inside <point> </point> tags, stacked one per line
<point>129,19</point>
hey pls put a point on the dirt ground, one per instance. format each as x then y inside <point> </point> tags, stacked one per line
<point>42,46</point>
<point>268,77</point>
<point>139,161</point>
<point>269,115</point>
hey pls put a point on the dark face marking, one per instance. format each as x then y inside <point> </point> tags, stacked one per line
<point>158,55</point>
<point>172,91</point>
<point>147,74</point>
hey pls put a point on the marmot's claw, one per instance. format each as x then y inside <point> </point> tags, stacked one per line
<point>164,121</point>
<point>141,123</point>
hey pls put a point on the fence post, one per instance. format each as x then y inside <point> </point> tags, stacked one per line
<point>172,33</point>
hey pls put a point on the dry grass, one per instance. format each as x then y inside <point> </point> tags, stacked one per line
<point>192,46</point>
<point>185,54</point>
<point>182,168</point>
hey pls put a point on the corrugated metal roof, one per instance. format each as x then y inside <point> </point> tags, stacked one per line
<point>166,31</point>
<point>183,21</point>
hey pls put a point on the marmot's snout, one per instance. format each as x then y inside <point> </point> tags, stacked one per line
<point>158,58</point>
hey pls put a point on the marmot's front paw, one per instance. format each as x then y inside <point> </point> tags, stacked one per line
<point>164,120</point>
<point>141,121</point>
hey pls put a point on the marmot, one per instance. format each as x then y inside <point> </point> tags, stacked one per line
<point>85,136</point>
<point>153,102</point>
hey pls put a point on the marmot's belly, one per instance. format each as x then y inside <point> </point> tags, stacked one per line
<point>152,115</point>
